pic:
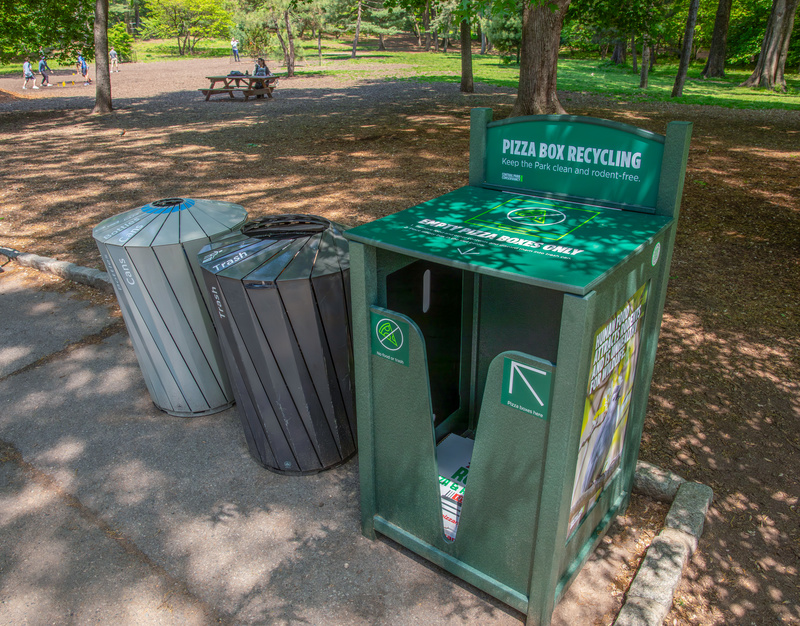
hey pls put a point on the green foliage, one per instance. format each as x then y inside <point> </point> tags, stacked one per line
<point>593,23</point>
<point>187,21</point>
<point>504,30</point>
<point>746,30</point>
<point>121,40</point>
<point>253,29</point>
<point>342,16</point>
<point>62,28</point>
<point>600,23</point>
<point>379,20</point>
<point>127,11</point>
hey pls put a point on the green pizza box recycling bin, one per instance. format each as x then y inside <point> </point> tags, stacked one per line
<point>504,341</point>
<point>151,256</point>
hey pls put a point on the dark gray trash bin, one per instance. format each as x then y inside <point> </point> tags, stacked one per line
<point>281,289</point>
<point>151,255</point>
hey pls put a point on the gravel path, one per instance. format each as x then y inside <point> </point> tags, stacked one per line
<point>170,84</point>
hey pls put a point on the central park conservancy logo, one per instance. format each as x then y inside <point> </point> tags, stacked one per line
<point>544,219</point>
<point>389,338</point>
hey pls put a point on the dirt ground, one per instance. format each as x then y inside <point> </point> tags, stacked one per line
<point>724,407</point>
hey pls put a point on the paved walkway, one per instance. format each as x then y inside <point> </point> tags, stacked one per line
<point>114,512</point>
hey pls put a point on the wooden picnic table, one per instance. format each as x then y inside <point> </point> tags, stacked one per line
<point>249,85</point>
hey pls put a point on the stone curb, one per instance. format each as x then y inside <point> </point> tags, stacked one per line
<point>76,273</point>
<point>649,597</point>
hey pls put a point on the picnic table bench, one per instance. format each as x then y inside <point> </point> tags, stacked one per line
<point>249,85</point>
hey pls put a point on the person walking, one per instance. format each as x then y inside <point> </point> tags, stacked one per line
<point>112,55</point>
<point>44,70</point>
<point>235,49</point>
<point>83,67</point>
<point>27,72</point>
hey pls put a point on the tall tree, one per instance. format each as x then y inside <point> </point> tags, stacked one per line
<point>281,23</point>
<point>102,103</point>
<point>358,30</point>
<point>426,24</point>
<point>467,85</point>
<point>686,51</point>
<point>715,64</point>
<point>769,71</point>
<point>541,36</point>
<point>188,21</point>
<point>643,77</point>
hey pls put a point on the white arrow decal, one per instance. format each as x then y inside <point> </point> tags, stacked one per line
<point>516,368</point>
<point>467,252</point>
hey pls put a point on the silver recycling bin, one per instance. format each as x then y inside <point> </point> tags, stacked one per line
<point>151,255</point>
<point>282,294</point>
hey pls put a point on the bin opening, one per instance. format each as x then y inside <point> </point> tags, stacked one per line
<point>431,295</point>
<point>167,202</point>
<point>285,226</point>
<point>454,455</point>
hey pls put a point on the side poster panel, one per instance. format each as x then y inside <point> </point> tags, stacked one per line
<point>608,397</point>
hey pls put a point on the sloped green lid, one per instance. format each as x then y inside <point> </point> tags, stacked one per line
<point>551,243</point>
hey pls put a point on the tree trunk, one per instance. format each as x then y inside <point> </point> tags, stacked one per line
<point>618,57</point>
<point>686,52</point>
<point>435,33</point>
<point>417,32</point>
<point>633,53</point>
<point>645,65</point>
<point>484,39</point>
<point>541,35</point>
<point>426,24</point>
<point>281,41</point>
<point>102,102</point>
<point>467,85</point>
<point>715,64</point>
<point>774,49</point>
<point>319,45</point>
<point>381,43</point>
<point>358,31</point>
<point>290,38</point>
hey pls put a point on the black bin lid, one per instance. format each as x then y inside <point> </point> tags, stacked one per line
<point>278,247</point>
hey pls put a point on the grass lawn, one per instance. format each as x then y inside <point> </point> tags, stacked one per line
<point>574,74</point>
<point>590,75</point>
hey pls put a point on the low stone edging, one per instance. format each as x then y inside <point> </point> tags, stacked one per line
<point>70,271</point>
<point>649,598</point>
